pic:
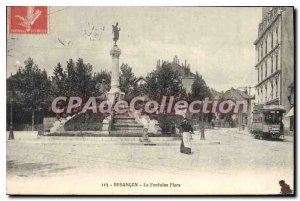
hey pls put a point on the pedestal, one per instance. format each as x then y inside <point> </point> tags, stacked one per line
<point>106,126</point>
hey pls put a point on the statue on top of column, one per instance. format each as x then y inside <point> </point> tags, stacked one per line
<point>116,31</point>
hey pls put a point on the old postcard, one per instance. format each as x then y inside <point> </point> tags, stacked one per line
<point>150,100</point>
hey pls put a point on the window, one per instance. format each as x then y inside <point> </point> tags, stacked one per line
<point>266,70</point>
<point>276,35</point>
<point>261,51</point>
<point>272,90</point>
<point>272,40</point>
<point>276,62</point>
<point>258,75</point>
<point>258,54</point>
<point>271,64</point>
<point>266,46</point>
<point>258,95</point>
<point>276,88</point>
<point>261,72</point>
<point>262,94</point>
<point>266,94</point>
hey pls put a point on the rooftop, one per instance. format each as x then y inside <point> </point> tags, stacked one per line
<point>237,94</point>
<point>183,69</point>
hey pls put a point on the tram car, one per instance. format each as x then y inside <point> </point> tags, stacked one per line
<point>267,122</point>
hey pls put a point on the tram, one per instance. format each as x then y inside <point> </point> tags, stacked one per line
<point>267,121</point>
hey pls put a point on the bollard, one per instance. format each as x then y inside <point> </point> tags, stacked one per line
<point>202,134</point>
<point>11,133</point>
<point>40,132</point>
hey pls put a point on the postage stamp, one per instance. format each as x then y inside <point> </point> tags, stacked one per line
<point>28,19</point>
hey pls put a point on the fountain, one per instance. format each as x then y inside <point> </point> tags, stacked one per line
<point>125,125</point>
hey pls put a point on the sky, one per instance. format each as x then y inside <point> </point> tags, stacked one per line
<point>217,42</point>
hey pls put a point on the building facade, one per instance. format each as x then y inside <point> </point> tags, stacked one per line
<point>290,114</point>
<point>242,119</point>
<point>184,71</point>
<point>275,57</point>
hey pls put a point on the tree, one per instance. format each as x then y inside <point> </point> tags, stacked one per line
<point>199,88</point>
<point>59,79</point>
<point>76,80</point>
<point>32,85</point>
<point>103,81</point>
<point>70,81</point>
<point>82,82</point>
<point>200,91</point>
<point>151,86</point>
<point>164,82</point>
<point>127,79</point>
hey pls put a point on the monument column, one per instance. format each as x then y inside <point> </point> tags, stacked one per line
<point>115,53</point>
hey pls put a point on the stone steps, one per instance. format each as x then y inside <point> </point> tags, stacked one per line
<point>127,126</point>
<point>124,125</point>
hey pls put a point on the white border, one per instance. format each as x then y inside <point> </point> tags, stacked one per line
<point>5,3</point>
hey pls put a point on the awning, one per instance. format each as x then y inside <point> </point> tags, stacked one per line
<point>290,113</point>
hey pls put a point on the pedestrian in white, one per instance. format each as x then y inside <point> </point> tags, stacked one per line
<point>187,131</point>
<point>143,120</point>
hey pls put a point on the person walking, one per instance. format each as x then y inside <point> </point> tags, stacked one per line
<point>187,130</point>
<point>143,119</point>
<point>145,122</point>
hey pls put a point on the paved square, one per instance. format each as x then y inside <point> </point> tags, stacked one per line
<point>239,162</point>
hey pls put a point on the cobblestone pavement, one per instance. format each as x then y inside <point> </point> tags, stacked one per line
<point>239,164</point>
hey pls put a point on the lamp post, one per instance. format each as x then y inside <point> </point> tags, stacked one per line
<point>202,137</point>
<point>11,131</point>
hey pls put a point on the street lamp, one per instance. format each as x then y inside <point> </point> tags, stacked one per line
<point>202,137</point>
<point>11,131</point>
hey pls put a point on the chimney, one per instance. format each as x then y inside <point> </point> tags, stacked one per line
<point>175,59</point>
